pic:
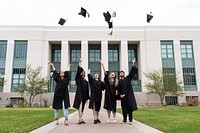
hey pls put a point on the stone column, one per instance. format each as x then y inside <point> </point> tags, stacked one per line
<point>104,56</point>
<point>64,55</point>
<point>9,66</point>
<point>124,56</point>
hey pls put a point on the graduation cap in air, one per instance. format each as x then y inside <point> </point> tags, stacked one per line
<point>83,12</point>
<point>107,17</point>
<point>149,17</point>
<point>62,21</point>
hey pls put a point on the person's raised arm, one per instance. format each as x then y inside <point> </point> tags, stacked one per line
<point>89,76</point>
<point>104,69</point>
<point>80,61</point>
<point>55,74</point>
<point>79,70</point>
<point>69,67</point>
<point>52,66</point>
<point>133,62</point>
<point>133,70</point>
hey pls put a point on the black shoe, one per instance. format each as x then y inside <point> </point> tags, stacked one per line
<point>98,121</point>
<point>81,122</point>
<point>95,121</point>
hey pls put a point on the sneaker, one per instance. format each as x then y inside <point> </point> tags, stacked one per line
<point>95,121</point>
<point>130,123</point>
<point>83,122</point>
<point>108,121</point>
<point>123,122</point>
<point>98,121</point>
<point>114,120</point>
<point>79,123</point>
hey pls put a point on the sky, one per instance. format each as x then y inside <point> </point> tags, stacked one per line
<point>128,12</point>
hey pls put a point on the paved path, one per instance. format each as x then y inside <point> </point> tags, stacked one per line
<point>89,127</point>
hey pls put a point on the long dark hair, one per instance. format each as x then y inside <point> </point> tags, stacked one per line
<point>115,82</point>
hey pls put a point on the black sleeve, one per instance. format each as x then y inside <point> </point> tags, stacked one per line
<point>90,78</point>
<point>79,70</point>
<point>106,76</point>
<point>119,88</point>
<point>67,74</point>
<point>55,75</point>
<point>102,86</point>
<point>132,72</point>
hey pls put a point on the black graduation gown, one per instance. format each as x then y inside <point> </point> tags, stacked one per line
<point>96,87</point>
<point>110,91</point>
<point>61,90</point>
<point>82,91</point>
<point>125,87</point>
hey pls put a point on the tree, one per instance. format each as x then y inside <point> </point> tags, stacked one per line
<point>163,83</point>
<point>34,84</point>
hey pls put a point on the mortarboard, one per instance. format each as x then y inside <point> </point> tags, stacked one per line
<point>83,12</point>
<point>62,21</point>
<point>107,17</point>
<point>149,17</point>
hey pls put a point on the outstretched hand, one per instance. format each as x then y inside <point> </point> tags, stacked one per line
<point>70,65</point>
<point>50,63</point>
<point>80,60</point>
<point>88,71</point>
<point>134,61</point>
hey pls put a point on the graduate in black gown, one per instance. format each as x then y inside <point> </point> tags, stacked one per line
<point>128,102</point>
<point>61,94</point>
<point>111,93</point>
<point>96,86</point>
<point>82,92</point>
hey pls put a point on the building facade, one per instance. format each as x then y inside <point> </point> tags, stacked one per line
<point>173,48</point>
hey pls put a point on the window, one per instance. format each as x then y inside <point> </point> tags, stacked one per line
<point>189,76</point>
<point>171,100</point>
<point>169,78</point>
<point>167,49</point>
<point>94,55</point>
<point>186,49</point>
<point>113,55</point>
<point>18,77</point>
<point>20,49</point>
<point>170,71</point>
<point>131,55</point>
<point>75,55</point>
<point>72,82</point>
<point>56,55</point>
<point>3,49</point>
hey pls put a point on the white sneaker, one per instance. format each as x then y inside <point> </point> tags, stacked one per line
<point>114,120</point>
<point>130,123</point>
<point>108,121</point>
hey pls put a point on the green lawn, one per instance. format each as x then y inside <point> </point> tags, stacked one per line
<point>23,120</point>
<point>170,119</point>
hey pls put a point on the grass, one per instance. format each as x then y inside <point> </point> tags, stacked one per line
<point>170,119</point>
<point>23,120</point>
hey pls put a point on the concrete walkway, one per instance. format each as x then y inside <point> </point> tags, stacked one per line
<point>89,127</point>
